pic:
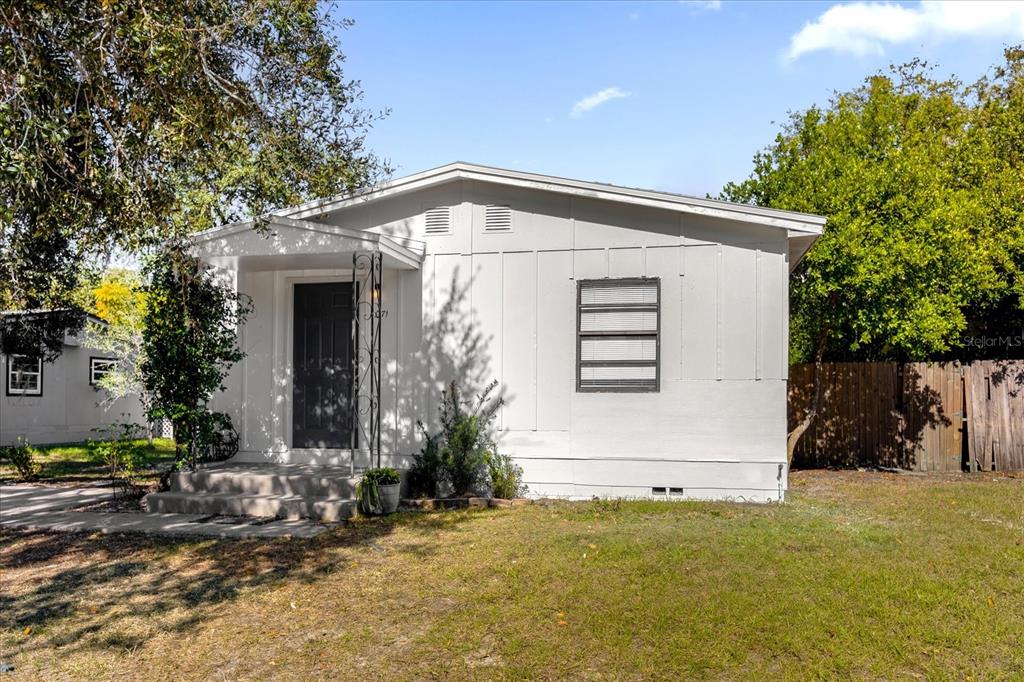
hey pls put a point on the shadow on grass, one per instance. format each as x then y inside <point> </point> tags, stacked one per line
<point>103,579</point>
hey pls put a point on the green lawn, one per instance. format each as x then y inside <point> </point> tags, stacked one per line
<point>71,462</point>
<point>869,576</point>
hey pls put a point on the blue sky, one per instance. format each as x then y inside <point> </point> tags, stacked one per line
<point>669,95</point>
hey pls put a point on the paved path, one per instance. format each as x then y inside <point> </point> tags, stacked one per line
<point>51,508</point>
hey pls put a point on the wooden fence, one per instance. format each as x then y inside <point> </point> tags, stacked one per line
<point>919,416</point>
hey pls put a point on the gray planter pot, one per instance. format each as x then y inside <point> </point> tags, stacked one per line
<point>389,496</point>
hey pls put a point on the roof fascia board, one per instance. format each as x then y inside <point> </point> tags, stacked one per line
<point>408,251</point>
<point>790,220</point>
<point>220,232</point>
<point>652,200</point>
<point>411,183</point>
<point>805,222</point>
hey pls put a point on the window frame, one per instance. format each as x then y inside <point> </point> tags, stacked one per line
<point>581,335</point>
<point>92,359</point>
<point>21,392</point>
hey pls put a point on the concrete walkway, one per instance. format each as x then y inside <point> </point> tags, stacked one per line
<point>32,507</point>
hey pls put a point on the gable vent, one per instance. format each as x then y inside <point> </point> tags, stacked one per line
<point>497,218</point>
<point>439,220</point>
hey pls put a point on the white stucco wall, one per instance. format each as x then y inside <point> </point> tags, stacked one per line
<point>69,408</point>
<point>503,306</point>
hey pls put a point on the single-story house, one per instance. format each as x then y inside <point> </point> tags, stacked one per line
<point>60,401</point>
<point>639,337</point>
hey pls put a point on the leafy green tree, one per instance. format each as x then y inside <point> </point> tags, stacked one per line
<point>190,342</point>
<point>923,186</point>
<point>127,122</point>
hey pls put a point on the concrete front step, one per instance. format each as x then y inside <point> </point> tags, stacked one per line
<point>287,480</point>
<point>324,509</point>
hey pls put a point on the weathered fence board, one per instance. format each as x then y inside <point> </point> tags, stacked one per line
<point>920,416</point>
<point>996,392</point>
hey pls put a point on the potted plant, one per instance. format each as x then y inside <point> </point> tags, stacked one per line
<point>378,491</point>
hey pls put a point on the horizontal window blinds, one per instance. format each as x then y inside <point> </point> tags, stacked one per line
<point>617,335</point>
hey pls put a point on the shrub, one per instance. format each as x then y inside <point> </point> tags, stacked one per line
<point>506,477</point>
<point>22,458</point>
<point>190,342</point>
<point>427,470</point>
<point>368,490</point>
<point>457,457</point>
<point>118,452</point>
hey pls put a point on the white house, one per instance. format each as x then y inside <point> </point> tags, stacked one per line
<point>60,402</point>
<point>639,337</point>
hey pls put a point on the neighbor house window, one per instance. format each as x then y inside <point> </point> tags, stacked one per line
<point>617,346</point>
<point>24,375</point>
<point>99,368</point>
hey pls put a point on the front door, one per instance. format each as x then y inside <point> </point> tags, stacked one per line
<point>322,377</point>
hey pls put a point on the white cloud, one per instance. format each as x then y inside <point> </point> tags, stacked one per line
<point>864,28</point>
<point>711,5</point>
<point>597,99</point>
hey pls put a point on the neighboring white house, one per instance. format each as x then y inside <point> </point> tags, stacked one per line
<point>639,337</point>
<point>59,401</point>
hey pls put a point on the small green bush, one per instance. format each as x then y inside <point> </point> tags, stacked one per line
<point>427,470</point>
<point>382,476</point>
<point>506,477</point>
<point>456,459</point>
<point>23,458</point>
<point>118,452</point>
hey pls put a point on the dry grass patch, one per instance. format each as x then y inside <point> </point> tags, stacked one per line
<point>860,575</point>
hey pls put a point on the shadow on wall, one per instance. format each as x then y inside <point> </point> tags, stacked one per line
<point>447,345</point>
<point>878,415</point>
<point>453,346</point>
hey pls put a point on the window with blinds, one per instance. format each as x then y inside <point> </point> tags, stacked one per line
<point>617,334</point>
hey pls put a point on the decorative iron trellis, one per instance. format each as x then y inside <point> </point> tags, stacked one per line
<point>367,271</point>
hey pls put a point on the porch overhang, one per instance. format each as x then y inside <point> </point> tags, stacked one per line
<point>289,244</point>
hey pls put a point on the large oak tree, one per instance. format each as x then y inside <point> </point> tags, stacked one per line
<point>124,123</point>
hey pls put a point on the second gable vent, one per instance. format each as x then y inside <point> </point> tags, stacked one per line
<point>439,220</point>
<point>497,218</point>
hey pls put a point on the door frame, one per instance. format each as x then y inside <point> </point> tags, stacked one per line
<point>285,358</point>
<point>291,364</point>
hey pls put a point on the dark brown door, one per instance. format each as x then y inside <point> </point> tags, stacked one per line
<point>322,380</point>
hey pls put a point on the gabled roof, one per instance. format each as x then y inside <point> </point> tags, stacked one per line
<point>797,224</point>
<point>291,237</point>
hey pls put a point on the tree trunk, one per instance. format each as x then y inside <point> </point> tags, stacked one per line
<point>812,411</point>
